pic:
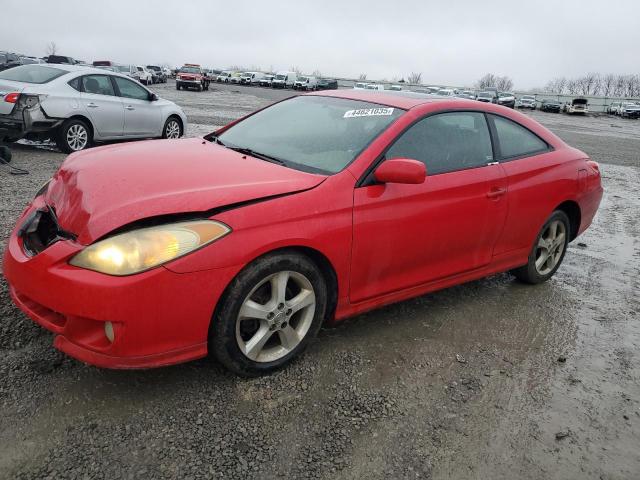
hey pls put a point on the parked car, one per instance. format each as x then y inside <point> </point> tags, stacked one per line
<point>8,60</point>
<point>284,79</point>
<point>395,88</point>
<point>374,86</point>
<point>162,272</point>
<point>527,101</point>
<point>306,82</point>
<point>506,99</point>
<point>60,59</point>
<point>550,106</point>
<point>144,76</point>
<point>251,78</point>
<point>614,108</point>
<point>266,80</point>
<point>129,70</point>
<point>77,106</point>
<point>224,77</point>
<point>629,110</point>
<point>235,77</point>
<point>468,94</point>
<point>158,74</point>
<point>577,105</point>
<point>192,76</point>
<point>446,92</point>
<point>360,86</point>
<point>487,97</point>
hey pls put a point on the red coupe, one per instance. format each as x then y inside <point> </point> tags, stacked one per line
<point>314,209</point>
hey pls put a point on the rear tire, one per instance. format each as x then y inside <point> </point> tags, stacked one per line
<point>548,250</point>
<point>73,136</point>
<point>268,314</point>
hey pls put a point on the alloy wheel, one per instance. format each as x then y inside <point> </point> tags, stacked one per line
<point>275,316</point>
<point>77,137</point>
<point>550,247</point>
<point>173,129</point>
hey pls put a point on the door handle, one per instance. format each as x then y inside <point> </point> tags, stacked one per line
<point>92,105</point>
<point>129,107</point>
<point>496,193</point>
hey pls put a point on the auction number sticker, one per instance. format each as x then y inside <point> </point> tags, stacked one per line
<point>368,112</point>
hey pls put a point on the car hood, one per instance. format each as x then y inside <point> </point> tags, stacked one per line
<point>99,190</point>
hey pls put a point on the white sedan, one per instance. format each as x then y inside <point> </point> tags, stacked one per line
<point>77,106</point>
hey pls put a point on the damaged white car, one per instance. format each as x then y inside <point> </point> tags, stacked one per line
<point>76,106</point>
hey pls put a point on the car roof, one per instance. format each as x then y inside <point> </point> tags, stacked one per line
<point>398,99</point>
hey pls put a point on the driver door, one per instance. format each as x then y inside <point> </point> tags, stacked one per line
<point>407,235</point>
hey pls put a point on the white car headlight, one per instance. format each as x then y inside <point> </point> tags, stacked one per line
<point>146,248</point>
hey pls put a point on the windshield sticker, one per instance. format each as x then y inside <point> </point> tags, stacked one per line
<point>368,112</point>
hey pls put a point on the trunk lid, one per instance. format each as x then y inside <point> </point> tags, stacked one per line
<point>99,190</point>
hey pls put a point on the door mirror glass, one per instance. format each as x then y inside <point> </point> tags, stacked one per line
<point>401,170</point>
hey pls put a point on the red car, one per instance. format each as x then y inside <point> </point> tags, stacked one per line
<point>314,209</point>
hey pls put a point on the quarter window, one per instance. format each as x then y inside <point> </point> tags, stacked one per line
<point>446,142</point>
<point>97,84</point>
<point>515,140</point>
<point>130,89</point>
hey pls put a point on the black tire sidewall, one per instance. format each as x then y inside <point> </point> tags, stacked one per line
<point>528,273</point>
<point>61,137</point>
<point>222,334</point>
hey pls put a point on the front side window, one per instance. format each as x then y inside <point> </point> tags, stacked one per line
<point>446,142</point>
<point>129,89</point>
<point>316,134</point>
<point>515,140</point>
<point>97,84</point>
<point>32,74</point>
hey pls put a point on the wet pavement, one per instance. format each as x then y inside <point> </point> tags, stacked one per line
<point>491,379</point>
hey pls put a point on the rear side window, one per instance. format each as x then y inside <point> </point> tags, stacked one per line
<point>446,142</point>
<point>97,84</point>
<point>32,74</point>
<point>516,141</point>
<point>75,83</point>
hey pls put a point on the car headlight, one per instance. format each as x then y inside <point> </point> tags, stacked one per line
<point>146,248</point>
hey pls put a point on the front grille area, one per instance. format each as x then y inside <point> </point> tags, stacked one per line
<point>40,230</point>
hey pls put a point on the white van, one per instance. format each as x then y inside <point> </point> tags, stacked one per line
<point>224,77</point>
<point>306,82</point>
<point>284,79</point>
<point>251,78</point>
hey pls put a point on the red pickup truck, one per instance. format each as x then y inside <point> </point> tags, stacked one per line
<point>192,76</point>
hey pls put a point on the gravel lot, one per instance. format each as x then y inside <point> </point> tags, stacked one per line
<point>491,379</point>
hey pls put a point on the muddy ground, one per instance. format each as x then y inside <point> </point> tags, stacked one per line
<point>492,379</point>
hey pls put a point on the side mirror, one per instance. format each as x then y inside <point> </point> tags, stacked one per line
<point>401,170</point>
<point>153,97</point>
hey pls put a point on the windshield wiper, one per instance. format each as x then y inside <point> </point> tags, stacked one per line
<point>253,153</point>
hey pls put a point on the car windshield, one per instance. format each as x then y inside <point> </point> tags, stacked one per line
<point>189,70</point>
<point>123,68</point>
<point>302,79</point>
<point>528,97</point>
<point>280,77</point>
<point>151,67</point>
<point>32,74</point>
<point>314,134</point>
<point>486,94</point>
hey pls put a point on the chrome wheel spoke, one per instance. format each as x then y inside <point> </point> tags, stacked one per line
<point>255,345</point>
<point>541,260</point>
<point>279,287</point>
<point>300,301</point>
<point>289,338</point>
<point>251,309</point>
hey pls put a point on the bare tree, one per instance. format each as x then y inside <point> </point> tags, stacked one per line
<point>317,73</point>
<point>51,48</point>
<point>608,84</point>
<point>619,86</point>
<point>504,83</point>
<point>415,78</point>
<point>489,80</point>
<point>296,69</point>
<point>362,77</point>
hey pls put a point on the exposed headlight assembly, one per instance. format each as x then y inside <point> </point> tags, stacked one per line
<point>146,248</point>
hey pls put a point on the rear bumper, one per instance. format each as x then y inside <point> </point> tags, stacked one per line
<point>159,317</point>
<point>22,122</point>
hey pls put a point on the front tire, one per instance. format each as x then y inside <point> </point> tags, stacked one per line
<point>269,314</point>
<point>548,250</point>
<point>74,135</point>
<point>172,128</point>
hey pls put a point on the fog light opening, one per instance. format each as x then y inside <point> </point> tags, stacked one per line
<point>108,331</point>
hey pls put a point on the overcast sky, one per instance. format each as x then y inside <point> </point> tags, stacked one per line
<point>452,42</point>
